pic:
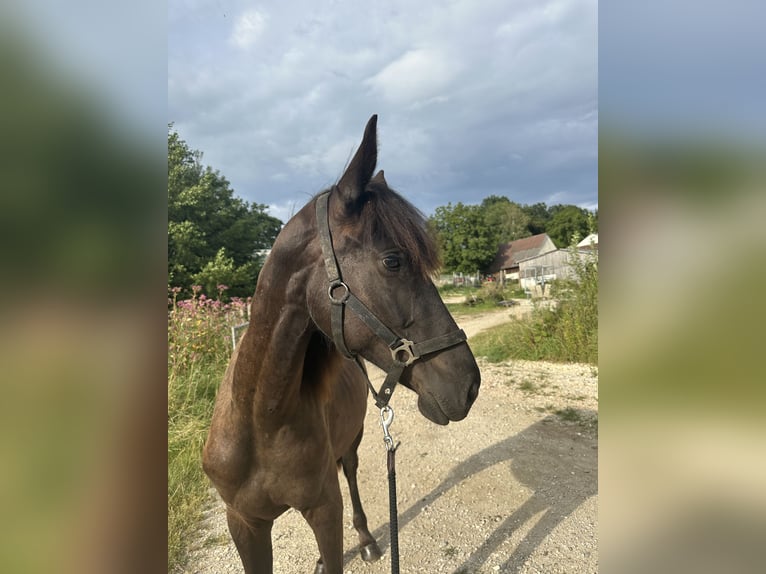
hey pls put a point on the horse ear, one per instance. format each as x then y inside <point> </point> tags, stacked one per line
<point>379,179</point>
<point>359,171</point>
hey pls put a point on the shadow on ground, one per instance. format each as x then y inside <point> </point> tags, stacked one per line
<point>549,458</point>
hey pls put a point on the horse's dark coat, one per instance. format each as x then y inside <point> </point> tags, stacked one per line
<point>290,408</point>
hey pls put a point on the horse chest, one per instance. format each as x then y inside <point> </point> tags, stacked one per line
<point>290,467</point>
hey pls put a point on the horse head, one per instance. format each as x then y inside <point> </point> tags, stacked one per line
<point>385,258</point>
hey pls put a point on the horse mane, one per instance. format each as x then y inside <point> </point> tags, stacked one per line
<point>320,367</point>
<point>386,214</point>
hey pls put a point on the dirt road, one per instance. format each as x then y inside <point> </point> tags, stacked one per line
<point>512,488</point>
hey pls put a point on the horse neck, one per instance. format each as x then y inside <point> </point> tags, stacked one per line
<point>281,353</point>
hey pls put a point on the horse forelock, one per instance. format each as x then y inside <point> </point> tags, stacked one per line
<point>387,215</point>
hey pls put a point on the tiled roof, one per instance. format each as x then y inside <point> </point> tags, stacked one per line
<point>509,254</point>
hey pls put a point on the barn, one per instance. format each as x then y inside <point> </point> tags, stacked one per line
<point>505,266</point>
<point>537,272</point>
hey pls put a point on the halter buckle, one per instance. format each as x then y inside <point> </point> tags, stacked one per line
<point>404,346</point>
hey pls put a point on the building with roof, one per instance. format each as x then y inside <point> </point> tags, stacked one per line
<point>537,272</point>
<point>589,243</point>
<point>505,266</point>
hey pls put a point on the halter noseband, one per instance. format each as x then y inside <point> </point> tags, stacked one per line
<point>403,351</point>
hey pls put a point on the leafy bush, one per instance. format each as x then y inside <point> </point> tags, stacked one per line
<point>566,332</point>
<point>492,292</point>
<point>221,270</point>
<point>576,317</point>
<point>448,288</point>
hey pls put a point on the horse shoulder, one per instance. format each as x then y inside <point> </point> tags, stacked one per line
<point>227,454</point>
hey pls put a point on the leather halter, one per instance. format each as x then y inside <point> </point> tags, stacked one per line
<point>403,351</point>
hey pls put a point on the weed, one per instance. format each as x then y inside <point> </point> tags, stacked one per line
<point>217,540</point>
<point>528,386</point>
<point>569,414</point>
<point>449,551</point>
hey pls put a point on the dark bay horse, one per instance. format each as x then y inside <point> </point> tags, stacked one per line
<point>290,408</point>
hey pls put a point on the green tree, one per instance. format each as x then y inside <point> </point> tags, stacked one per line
<point>204,216</point>
<point>566,222</point>
<point>221,270</point>
<point>506,218</point>
<point>539,216</point>
<point>468,244</point>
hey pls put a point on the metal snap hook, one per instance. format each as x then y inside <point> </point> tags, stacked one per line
<point>386,419</point>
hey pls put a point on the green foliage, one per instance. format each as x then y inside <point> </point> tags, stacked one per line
<point>221,270</point>
<point>481,300</point>
<point>468,244</point>
<point>577,312</point>
<point>567,332</point>
<point>199,346</point>
<point>494,292</point>
<point>469,235</point>
<point>567,221</point>
<point>470,306</point>
<point>539,216</point>
<point>450,289</point>
<point>204,217</point>
<point>506,218</point>
<point>593,221</point>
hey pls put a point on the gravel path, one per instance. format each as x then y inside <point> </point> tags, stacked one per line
<point>512,488</point>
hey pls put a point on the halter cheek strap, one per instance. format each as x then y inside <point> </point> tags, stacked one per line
<point>403,351</point>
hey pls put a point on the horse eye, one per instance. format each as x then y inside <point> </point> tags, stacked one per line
<point>392,262</point>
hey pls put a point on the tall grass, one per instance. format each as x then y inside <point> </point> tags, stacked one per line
<point>566,332</point>
<point>199,346</point>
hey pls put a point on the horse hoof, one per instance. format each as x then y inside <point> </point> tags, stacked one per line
<point>319,568</point>
<point>371,552</point>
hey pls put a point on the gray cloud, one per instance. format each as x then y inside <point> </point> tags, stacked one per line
<point>474,98</point>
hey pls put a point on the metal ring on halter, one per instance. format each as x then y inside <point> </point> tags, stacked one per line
<point>334,285</point>
<point>404,346</point>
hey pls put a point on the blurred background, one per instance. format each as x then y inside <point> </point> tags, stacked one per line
<point>84,286</point>
<point>682,455</point>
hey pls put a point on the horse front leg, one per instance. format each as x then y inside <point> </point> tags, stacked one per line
<point>368,548</point>
<point>326,521</point>
<point>253,541</point>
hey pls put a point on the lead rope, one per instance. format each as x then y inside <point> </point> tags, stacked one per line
<point>386,418</point>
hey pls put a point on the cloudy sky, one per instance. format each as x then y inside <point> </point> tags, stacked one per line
<point>474,98</point>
